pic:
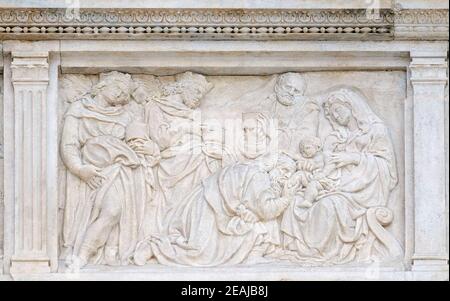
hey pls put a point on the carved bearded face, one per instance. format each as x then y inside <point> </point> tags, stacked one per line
<point>290,88</point>
<point>284,169</point>
<point>190,87</point>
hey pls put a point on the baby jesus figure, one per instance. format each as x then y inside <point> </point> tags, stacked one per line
<point>313,171</point>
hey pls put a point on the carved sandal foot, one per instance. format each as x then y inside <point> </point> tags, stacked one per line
<point>111,256</point>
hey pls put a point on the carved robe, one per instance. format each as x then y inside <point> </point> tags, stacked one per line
<point>184,163</point>
<point>160,114</point>
<point>209,227</point>
<point>95,135</point>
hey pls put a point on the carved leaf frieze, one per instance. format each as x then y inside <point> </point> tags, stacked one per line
<point>290,178</point>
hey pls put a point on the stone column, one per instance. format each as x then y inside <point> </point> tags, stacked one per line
<point>428,79</point>
<point>30,142</point>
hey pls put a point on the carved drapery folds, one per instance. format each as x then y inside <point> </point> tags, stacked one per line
<point>149,179</point>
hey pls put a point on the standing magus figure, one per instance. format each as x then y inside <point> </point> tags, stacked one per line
<point>106,188</point>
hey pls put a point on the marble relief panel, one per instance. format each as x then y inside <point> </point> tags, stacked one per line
<point>194,170</point>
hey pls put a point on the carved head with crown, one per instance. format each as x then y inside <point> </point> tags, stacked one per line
<point>113,89</point>
<point>191,87</point>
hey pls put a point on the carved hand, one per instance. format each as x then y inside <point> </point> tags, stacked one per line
<point>297,180</point>
<point>148,148</point>
<point>289,189</point>
<point>284,202</point>
<point>246,215</point>
<point>249,217</point>
<point>153,160</point>
<point>327,184</point>
<point>345,158</point>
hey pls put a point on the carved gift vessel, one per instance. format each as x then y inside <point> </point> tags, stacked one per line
<point>211,142</point>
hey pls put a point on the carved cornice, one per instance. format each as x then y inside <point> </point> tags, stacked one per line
<point>222,24</point>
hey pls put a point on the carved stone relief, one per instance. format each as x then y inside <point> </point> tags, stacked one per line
<point>206,171</point>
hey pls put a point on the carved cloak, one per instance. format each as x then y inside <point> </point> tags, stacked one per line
<point>206,229</point>
<point>95,136</point>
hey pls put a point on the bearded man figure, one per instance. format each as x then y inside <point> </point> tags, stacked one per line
<point>174,123</point>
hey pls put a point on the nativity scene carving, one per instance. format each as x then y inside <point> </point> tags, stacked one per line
<point>292,178</point>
